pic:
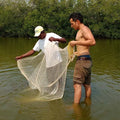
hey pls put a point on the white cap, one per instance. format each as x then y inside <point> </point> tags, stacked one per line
<point>38,31</point>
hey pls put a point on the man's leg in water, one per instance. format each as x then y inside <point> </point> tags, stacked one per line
<point>77,92</point>
<point>87,90</point>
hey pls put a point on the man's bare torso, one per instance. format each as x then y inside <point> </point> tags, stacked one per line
<point>80,49</point>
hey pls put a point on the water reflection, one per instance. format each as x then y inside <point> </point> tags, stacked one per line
<point>82,111</point>
<point>15,94</point>
<point>52,110</point>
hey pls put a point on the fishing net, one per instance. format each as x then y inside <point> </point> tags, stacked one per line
<point>47,73</point>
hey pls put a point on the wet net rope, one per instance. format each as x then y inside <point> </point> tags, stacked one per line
<point>47,76</point>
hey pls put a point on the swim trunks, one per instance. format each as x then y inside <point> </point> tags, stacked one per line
<point>82,70</point>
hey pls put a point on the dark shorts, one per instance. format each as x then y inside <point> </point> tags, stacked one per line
<point>82,70</point>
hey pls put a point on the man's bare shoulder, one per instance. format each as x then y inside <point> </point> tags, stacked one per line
<point>86,32</point>
<point>86,29</point>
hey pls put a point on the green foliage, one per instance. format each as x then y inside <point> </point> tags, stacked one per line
<point>19,18</point>
<point>12,18</point>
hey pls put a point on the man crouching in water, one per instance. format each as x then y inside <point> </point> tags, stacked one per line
<point>82,71</point>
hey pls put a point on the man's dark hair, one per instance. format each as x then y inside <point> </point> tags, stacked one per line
<point>43,31</point>
<point>76,16</point>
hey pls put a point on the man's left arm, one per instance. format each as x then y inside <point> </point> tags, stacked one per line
<point>88,36</point>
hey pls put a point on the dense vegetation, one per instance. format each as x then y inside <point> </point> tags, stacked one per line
<point>18,18</point>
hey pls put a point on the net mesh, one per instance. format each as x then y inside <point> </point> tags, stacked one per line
<point>50,81</point>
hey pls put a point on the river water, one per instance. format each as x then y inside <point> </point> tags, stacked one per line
<point>17,100</point>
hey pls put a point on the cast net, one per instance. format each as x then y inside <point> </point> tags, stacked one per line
<point>45,76</point>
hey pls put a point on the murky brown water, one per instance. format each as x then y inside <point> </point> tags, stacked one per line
<point>18,102</point>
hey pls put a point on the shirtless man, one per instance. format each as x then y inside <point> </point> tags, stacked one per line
<point>82,70</point>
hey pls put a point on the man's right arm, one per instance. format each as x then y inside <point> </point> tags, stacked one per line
<point>29,53</point>
<point>62,40</point>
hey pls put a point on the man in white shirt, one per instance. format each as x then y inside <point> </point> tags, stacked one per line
<point>45,41</point>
